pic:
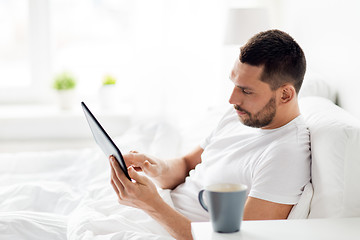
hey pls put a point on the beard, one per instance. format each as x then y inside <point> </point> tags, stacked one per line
<point>262,118</point>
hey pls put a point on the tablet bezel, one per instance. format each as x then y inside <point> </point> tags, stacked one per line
<point>108,147</point>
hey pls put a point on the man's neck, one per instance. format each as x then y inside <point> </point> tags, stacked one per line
<point>284,115</point>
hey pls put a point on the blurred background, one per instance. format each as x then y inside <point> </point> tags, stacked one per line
<point>135,61</point>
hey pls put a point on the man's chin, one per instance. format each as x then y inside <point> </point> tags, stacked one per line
<point>242,119</point>
<point>247,122</point>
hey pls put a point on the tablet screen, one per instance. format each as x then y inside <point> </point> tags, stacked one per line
<point>103,139</point>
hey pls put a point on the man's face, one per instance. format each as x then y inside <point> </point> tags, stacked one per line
<point>254,101</point>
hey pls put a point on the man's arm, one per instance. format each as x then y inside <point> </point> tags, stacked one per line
<point>142,193</point>
<point>258,209</point>
<point>166,173</point>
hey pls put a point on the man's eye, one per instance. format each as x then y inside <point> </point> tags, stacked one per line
<point>246,92</point>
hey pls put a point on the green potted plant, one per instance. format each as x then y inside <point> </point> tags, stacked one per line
<point>64,84</point>
<point>107,92</point>
<point>108,80</point>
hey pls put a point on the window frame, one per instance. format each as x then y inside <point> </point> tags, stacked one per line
<point>39,90</point>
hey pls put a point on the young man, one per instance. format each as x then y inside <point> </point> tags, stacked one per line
<point>261,142</point>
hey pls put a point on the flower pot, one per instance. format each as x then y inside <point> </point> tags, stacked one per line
<point>107,96</point>
<point>66,99</point>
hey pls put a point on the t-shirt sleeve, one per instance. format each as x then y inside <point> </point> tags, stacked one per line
<point>205,141</point>
<point>282,174</point>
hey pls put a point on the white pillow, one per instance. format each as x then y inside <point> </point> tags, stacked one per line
<point>335,144</point>
<point>302,209</point>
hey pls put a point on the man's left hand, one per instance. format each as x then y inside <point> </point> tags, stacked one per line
<point>140,193</point>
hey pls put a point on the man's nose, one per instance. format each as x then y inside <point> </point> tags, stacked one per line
<point>235,97</point>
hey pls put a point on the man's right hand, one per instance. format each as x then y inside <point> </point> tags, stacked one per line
<point>151,166</point>
<point>166,173</point>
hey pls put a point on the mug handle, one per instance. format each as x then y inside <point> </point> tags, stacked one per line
<point>201,200</point>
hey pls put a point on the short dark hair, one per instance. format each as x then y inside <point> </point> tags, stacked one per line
<point>282,58</point>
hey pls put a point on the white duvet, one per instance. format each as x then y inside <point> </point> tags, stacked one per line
<point>66,195</point>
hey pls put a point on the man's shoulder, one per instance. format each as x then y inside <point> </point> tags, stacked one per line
<point>296,130</point>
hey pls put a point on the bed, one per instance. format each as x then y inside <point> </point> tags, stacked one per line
<point>66,194</point>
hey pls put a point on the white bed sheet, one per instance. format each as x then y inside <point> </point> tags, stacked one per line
<point>67,194</point>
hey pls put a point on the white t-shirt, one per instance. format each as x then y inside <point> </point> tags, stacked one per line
<point>274,164</point>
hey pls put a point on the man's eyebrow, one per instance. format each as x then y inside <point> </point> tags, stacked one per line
<point>241,87</point>
<point>244,87</point>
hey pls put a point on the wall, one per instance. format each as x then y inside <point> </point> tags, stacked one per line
<point>329,32</point>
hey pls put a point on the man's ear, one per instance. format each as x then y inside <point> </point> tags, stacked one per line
<point>287,93</point>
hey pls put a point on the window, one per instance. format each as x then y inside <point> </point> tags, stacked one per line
<point>14,50</point>
<point>24,51</point>
<point>160,51</point>
<point>91,39</point>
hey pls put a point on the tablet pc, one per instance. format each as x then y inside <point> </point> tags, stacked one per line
<point>103,140</point>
